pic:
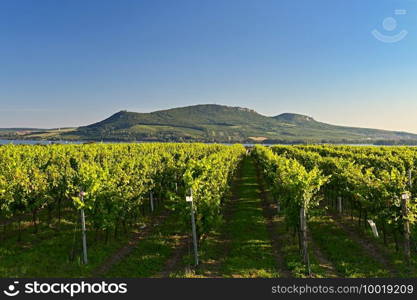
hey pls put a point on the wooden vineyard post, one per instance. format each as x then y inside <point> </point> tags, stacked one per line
<point>193,227</point>
<point>84,237</point>
<point>303,227</point>
<point>339,205</point>
<point>404,206</point>
<point>151,201</point>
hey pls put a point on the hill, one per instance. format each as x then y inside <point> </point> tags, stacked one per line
<point>214,123</point>
<point>219,123</point>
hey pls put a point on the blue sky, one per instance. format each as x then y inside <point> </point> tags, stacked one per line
<point>69,63</point>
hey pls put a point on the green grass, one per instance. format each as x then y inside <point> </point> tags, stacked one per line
<point>240,246</point>
<point>395,257</point>
<point>348,257</point>
<point>289,248</point>
<point>211,254</point>
<point>292,256</point>
<point>47,253</point>
<point>250,253</point>
<point>149,256</point>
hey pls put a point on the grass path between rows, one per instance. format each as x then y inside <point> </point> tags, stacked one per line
<point>241,247</point>
<point>130,246</point>
<point>286,244</point>
<point>152,255</point>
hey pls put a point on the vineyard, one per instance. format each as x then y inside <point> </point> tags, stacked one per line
<point>207,210</point>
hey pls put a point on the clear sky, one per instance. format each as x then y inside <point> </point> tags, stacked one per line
<point>74,62</point>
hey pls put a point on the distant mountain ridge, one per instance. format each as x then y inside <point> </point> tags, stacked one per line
<point>215,123</point>
<point>219,123</point>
